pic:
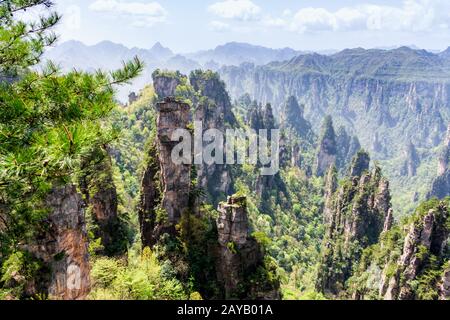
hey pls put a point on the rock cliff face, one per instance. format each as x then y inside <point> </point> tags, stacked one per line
<point>166,83</point>
<point>100,193</point>
<point>362,89</point>
<point>262,118</point>
<point>335,149</point>
<point>63,247</point>
<point>355,215</point>
<point>298,138</point>
<point>150,199</point>
<point>327,152</point>
<point>239,256</point>
<point>165,185</point>
<point>426,239</point>
<point>214,111</point>
<point>440,187</point>
<point>412,161</point>
<point>292,116</point>
<point>444,290</point>
<point>176,179</point>
<point>347,147</point>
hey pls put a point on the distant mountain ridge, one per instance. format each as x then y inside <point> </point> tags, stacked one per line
<point>235,53</point>
<point>107,55</point>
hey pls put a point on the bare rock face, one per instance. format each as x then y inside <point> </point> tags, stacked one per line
<point>444,290</point>
<point>389,221</point>
<point>327,153</point>
<point>360,163</point>
<point>150,199</point>
<point>426,236</point>
<point>214,110</point>
<point>100,192</point>
<point>165,83</point>
<point>165,185</point>
<point>412,161</point>
<point>132,97</point>
<point>239,255</point>
<point>440,187</point>
<point>176,178</point>
<point>355,214</point>
<point>347,147</point>
<point>292,116</point>
<point>331,185</point>
<point>64,246</point>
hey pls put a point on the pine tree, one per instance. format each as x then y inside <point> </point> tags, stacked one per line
<point>49,122</point>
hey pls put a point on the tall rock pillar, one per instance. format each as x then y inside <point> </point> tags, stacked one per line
<point>176,178</point>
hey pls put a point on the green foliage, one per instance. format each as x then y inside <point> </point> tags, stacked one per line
<point>140,278</point>
<point>16,271</point>
<point>263,240</point>
<point>232,247</point>
<point>49,122</point>
<point>197,235</point>
<point>265,277</point>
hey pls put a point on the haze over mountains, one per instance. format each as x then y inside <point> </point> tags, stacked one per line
<point>108,55</point>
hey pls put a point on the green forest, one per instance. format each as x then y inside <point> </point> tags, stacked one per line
<point>92,207</point>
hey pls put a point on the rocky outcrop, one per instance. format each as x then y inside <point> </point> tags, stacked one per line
<point>292,116</point>
<point>440,187</point>
<point>412,161</point>
<point>347,147</point>
<point>239,256</point>
<point>298,137</point>
<point>150,199</point>
<point>360,163</point>
<point>163,177</point>
<point>62,247</point>
<point>166,83</point>
<point>327,151</point>
<point>331,185</point>
<point>355,214</point>
<point>262,118</point>
<point>132,97</point>
<point>98,187</point>
<point>444,289</point>
<point>175,178</point>
<point>427,237</point>
<point>214,110</point>
<point>362,89</point>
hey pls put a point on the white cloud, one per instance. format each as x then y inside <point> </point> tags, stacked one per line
<point>275,22</point>
<point>72,18</point>
<point>244,10</point>
<point>219,26</point>
<point>411,16</point>
<point>143,14</point>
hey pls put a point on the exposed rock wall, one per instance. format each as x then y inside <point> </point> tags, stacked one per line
<point>100,193</point>
<point>427,236</point>
<point>327,151</point>
<point>150,200</point>
<point>392,109</point>
<point>440,187</point>
<point>444,290</point>
<point>175,178</point>
<point>412,161</point>
<point>165,186</point>
<point>214,110</point>
<point>63,247</point>
<point>165,83</point>
<point>355,215</point>
<point>239,255</point>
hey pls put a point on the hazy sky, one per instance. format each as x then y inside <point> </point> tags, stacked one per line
<point>190,25</point>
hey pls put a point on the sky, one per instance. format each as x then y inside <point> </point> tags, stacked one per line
<point>192,25</point>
